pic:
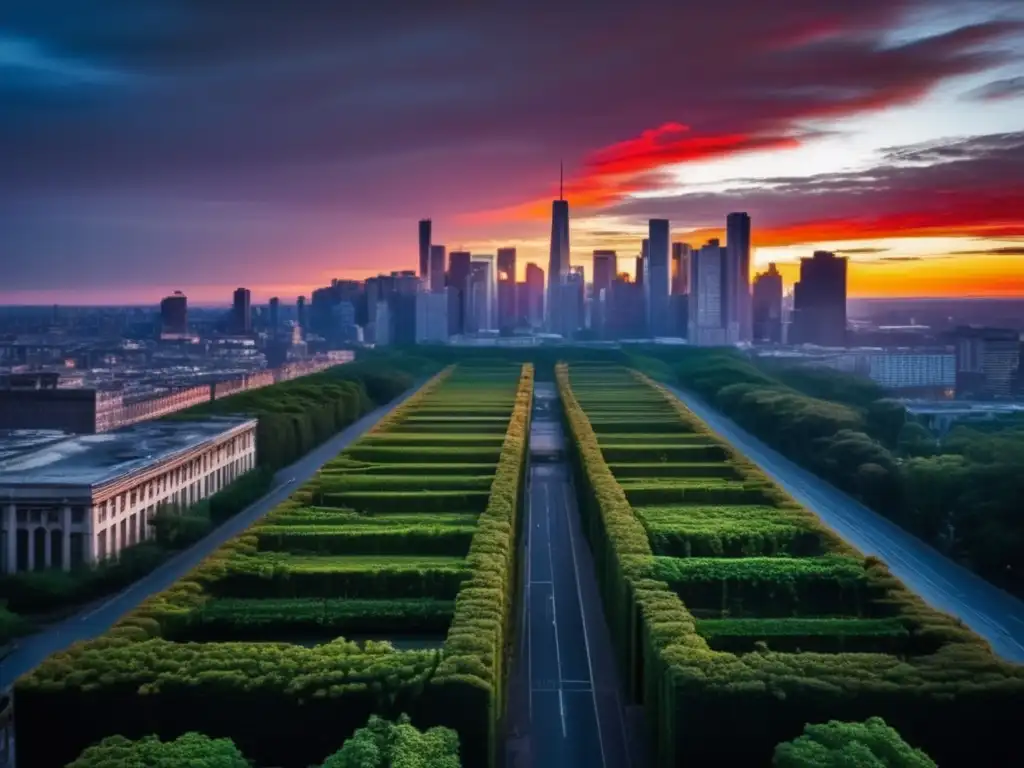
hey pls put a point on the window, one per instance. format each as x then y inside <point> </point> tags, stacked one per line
<point>77,515</point>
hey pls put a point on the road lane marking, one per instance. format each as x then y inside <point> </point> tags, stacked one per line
<point>583,620</point>
<point>554,609</point>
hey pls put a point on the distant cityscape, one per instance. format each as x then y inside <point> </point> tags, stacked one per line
<point>143,363</point>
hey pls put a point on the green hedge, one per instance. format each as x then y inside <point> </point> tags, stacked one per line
<point>921,670</point>
<point>257,602</point>
<point>871,744</point>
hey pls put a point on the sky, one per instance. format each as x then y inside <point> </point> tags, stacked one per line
<point>202,145</point>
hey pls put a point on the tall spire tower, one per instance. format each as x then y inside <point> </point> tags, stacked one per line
<point>558,264</point>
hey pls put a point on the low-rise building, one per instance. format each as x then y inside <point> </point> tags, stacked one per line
<point>72,500</point>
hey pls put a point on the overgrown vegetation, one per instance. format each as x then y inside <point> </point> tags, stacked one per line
<point>960,493</point>
<point>379,744</point>
<point>738,618</point>
<point>384,585</point>
<point>871,744</point>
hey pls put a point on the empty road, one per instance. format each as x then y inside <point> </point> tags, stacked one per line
<point>575,715</point>
<point>32,650</point>
<point>992,613</point>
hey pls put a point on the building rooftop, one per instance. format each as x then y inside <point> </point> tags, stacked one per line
<point>36,457</point>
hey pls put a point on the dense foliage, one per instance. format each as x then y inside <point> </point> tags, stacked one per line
<point>382,744</point>
<point>737,617</point>
<point>378,744</point>
<point>295,416</point>
<point>383,585</point>
<point>871,744</point>
<point>960,493</point>
<point>192,749</point>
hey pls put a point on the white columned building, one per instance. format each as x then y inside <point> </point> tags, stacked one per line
<point>67,500</point>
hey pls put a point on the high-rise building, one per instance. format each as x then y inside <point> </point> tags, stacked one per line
<point>425,227</point>
<point>656,278</point>
<point>707,306</point>
<point>535,295</point>
<point>506,288</point>
<point>767,306</point>
<point>174,315</point>
<point>458,283</point>
<point>640,268</point>
<point>987,362</point>
<point>275,314</point>
<point>480,295</point>
<point>606,267</point>
<point>435,268</point>
<point>819,301</point>
<point>571,298</point>
<point>241,311</point>
<point>626,317</point>
<point>681,268</point>
<point>432,317</point>
<point>737,243</point>
<point>558,262</point>
<point>300,314</point>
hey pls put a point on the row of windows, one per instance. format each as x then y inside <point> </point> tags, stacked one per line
<point>177,476</point>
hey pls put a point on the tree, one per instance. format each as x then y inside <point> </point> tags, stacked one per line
<point>191,749</point>
<point>383,744</point>
<point>871,744</point>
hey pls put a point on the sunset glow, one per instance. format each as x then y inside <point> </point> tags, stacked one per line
<point>884,129</point>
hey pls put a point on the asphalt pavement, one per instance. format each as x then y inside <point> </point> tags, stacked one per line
<point>992,613</point>
<point>575,714</point>
<point>95,620</point>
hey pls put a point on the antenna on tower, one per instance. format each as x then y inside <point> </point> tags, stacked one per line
<point>561,180</point>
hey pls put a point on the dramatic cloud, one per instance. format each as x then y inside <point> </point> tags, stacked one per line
<point>934,189</point>
<point>997,90</point>
<point>143,141</point>
<point>1008,250</point>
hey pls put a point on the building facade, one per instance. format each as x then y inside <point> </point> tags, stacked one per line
<point>506,289</point>
<point>425,227</point>
<point>657,277</point>
<point>767,307</point>
<point>737,243</point>
<point>819,301</point>
<point>70,501</point>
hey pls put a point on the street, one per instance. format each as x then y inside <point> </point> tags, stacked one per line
<point>993,614</point>
<point>575,713</point>
<point>32,650</point>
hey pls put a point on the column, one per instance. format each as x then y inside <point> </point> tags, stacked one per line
<point>31,549</point>
<point>47,548</point>
<point>11,526</point>
<point>65,523</point>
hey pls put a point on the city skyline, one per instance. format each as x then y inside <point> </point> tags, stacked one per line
<point>887,132</point>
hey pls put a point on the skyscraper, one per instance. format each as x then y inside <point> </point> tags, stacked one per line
<point>558,263</point>
<point>819,301</point>
<point>681,268</point>
<point>656,278</point>
<point>275,314</point>
<point>458,282</point>
<point>737,243</point>
<point>535,292</point>
<point>606,267</point>
<point>480,295</point>
<point>767,306</point>
<point>708,306</point>
<point>425,227</point>
<point>641,266</point>
<point>435,268</point>
<point>506,288</point>
<point>300,314</point>
<point>489,319</point>
<point>174,315</point>
<point>241,311</point>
